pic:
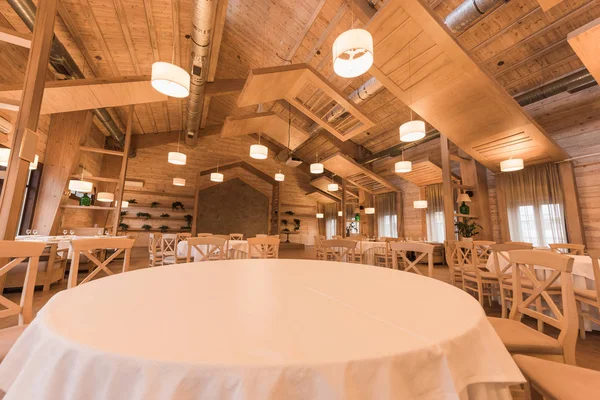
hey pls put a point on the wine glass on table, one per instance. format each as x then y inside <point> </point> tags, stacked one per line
<point>72,232</point>
<point>65,232</point>
<point>100,232</point>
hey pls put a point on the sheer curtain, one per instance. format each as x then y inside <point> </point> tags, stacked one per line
<point>331,220</point>
<point>387,219</point>
<point>436,227</point>
<point>535,205</point>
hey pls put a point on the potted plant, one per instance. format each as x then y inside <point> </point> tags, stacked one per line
<point>284,222</point>
<point>289,213</point>
<point>144,215</point>
<point>132,201</point>
<point>297,222</point>
<point>164,215</point>
<point>163,228</point>
<point>188,219</point>
<point>154,204</point>
<point>176,205</point>
<point>467,229</point>
<point>123,227</point>
<point>146,227</point>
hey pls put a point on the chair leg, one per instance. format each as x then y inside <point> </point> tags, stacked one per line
<point>540,309</point>
<point>581,320</point>
<point>531,393</point>
<point>480,293</point>
<point>502,301</point>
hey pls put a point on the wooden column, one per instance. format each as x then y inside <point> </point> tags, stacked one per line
<point>27,118</point>
<point>66,134</point>
<point>399,214</point>
<point>121,184</point>
<point>344,199</point>
<point>423,196</point>
<point>447,188</point>
<point>502,211</point>
<point>573,219</point>
<point>375,224</point>
<point>196,206</point>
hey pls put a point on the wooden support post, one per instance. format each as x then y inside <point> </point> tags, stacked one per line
<point>121,184</point>
<point>573,219</point>
<point>447,189</point>
<point>344,200</point>
<point>27,118</point>
<point>502,211</point>
<point>66,133</point>
<point>399,214</point>
<point>423,196</point>
<point>196,206</point>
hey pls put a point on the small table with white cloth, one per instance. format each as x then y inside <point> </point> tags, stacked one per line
<point>234,249</point>
<point>260,329</point>
<point>63,242</point>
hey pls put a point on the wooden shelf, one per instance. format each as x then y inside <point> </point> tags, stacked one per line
<point>96,178</point>
<point>101,151</point>
<point>89,207</point>
<point>155,210</point>
<point>166,219</point>
<point>465,215</point>
<point>153,230</point>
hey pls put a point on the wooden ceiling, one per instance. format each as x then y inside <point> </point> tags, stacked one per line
<point>517,43</point>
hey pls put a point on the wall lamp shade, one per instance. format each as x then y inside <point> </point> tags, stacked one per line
<point>4,156</point>
<point>333,187</point>
<point>514,164</point>
<point>259,152</point>
<point>76,185</point>
<point>177,158</point>
<point>171,80</point>
<point>124,204</point>
<point>463,197</point>
<point>216,177</point>
<point>320,215</point>
<point>412,130</point>
<point>316,168</point>
<point>340,213</point>
<point>105,197</point>
<point>403,166</point>
<point>370,210</point>
<point>279,177</point>
<point>352,53</point>
<point>178,181</point>
<point>420,204</point>
<point>34,164</point>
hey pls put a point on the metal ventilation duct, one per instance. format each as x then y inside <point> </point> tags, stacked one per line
<point>467,12</point>
<point>202,26</point>
<point>63,63</point>
<point>566,83</point>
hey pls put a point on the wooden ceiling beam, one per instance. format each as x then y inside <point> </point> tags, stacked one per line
<point>243,165</point>
<point>224,87</point>
<point>217,38</point>
<point>584,42</point>
<point>363,10</point>
<point>163,138</point>
<point>16,38</point>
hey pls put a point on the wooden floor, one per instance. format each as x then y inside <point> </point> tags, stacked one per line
<point>588,350</point>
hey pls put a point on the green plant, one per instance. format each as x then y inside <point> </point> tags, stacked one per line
<point>132,201</point>
<point>123,226</point>
<point>146,227</point>
<point>186,228</point>
<point>188,218</point>
<point>123,213</point>
<point>289,213</point>
<point>154,204</point>
<point>163,228</point>
<point>466,228</point>
<point>144,215</point>
<point>284,222</point>
<point>297,222</point>
<point>177,205</point>
<point>164,215</point>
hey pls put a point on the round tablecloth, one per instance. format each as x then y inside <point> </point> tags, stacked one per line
<point>260,329</point>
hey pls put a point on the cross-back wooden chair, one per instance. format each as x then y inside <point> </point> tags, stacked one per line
<point>590,297</point>
<point>383,257</point>
<point>90,248</point>
<point>524,243</point>
<point>568,248</point>
<point>236,236</point>
<point>474,281</point>
<point>261,235</point>
<point>12,253</point>
<point>400,251</point>
<point>263,247</point>
<point>482,251</point>
<point>204,234</point>
<point>502,269</point>
<point>341,250</point>
<point>181,237</point>
<point>358,255</point>
<point>154,249</point>
<point>451,256</point>
<point>521,339</point>
<point>168,248</point>
<point>319,246</point>
<point>208,248</point>
<point>357,237</point>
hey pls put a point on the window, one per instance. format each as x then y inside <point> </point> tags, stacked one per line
<point>540,226</point>
<point>436,227</point>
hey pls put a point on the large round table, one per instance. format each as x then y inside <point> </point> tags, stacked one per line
<point>260,329</point>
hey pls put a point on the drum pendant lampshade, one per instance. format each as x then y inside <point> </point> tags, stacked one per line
<point>333,187</point>
<point>513,164</point>
<point>316,168</point>
<point>216,177</point>
<point>403,166</point>
<point>320,215</point>
<point>81,186</point>
<point>370,210</point>
<point>124,204</point>
<point>178,181</point>
<point>352,53</point>
<point>279,177</point>
<point>259,152</point>
<point>171,80</point>
<point>420,204</point>
<point>177,158</point>
<point>4,155</point>
<point>105,197</point>
<point>412,130</point>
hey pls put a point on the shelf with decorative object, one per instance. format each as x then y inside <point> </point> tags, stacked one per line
<point>465,215</point>
<point>88,207</point>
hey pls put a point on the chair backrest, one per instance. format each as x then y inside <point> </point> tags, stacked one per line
<point>526,243</point>
<point>168,244</point>
<point>568,248</point>
<point>595,255</point>
<point>465,255</point>
<point>500,257</point>
<point>207,247</point>
<point>181,236</point>
<point>450,253</point>
<point>274,236</point>
<point>154,243</point>
<point>357,237</point>
<point>204,234</point>
<point>333,237</point>
<point>339,249</point>
<point>236,236</point>
<point>420,251</point>
<point>12,253</point>
<point>226,237</point>
<point>563,318</point>
<point>318,242</point>
<point>261,235</point>
<point>263,247</point>
<point>90,247</point>
<point>482,251</point>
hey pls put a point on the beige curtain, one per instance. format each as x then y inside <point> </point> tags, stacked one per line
<point>321,221</point>
<point>436,226</point>
<point>385,210</point>
<point>330,211</point>
<point>535,205</point>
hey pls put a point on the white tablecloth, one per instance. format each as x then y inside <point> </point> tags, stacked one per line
<point>239,247</point>
<point>260,329</point>
<point>64,242</point>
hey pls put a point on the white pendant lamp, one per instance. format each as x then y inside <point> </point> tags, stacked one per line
<point>258,151</point>
<point>279,177</point>
<point>403,166</point>
<point>420,204</point>
<point>352,53</point>
<point>178,181</point>
<point>320,215</point>
<point>414,129</point>
<point>333,187</point>
<point>513,164</point>
<point>216,177</point>
<point>105,197</point>
<point>124,204</point>
<point>340,214</point>
<point>177,158</point>
<point>81,186</point>
<point>463,197</point>
<point>370,210</point>
<point>33,165</point>
<point>4,155</point>
<point>316,167</point>
<point>171,80</point>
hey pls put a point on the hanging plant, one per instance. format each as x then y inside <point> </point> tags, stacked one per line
<point>123,226</point>
<point>123,213</point>
<point>132,201</point>
<point>144,215</point>
<point>289,213</point>
<point>154,204</point>
<point>146,227</point>
<point>177,205</point>
<point>297,222</point>
<point>188,218</point>
<point>164,215</point>
<point>466,228</point>
<point>284,222</point>
<point>163,228</point>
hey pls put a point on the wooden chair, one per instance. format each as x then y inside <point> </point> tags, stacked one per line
<point>16,252</point>
<point>452,261</point>
<point>557,381</point>
<point>168,248</point>
<point>590,297</point>
<point>319,246</point>
<point>357,237</point>
<point>51,268</point>
<point>482,251</point>
<point>358,254</point>
<point>181,237</point>
<point>474,281</point>
<point>568,248</point>
<point>209,248</point>
<point>236,236</point>
<point>341,250</point>
<point>89,247</point>
<point>263,247</point>
<point>204,234</point>
<point>154,249</point>
<point>521,339</point>
<point>420,250</point>
<point>261,235</point>
<point>384,258</point>
<point>523,243</point>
